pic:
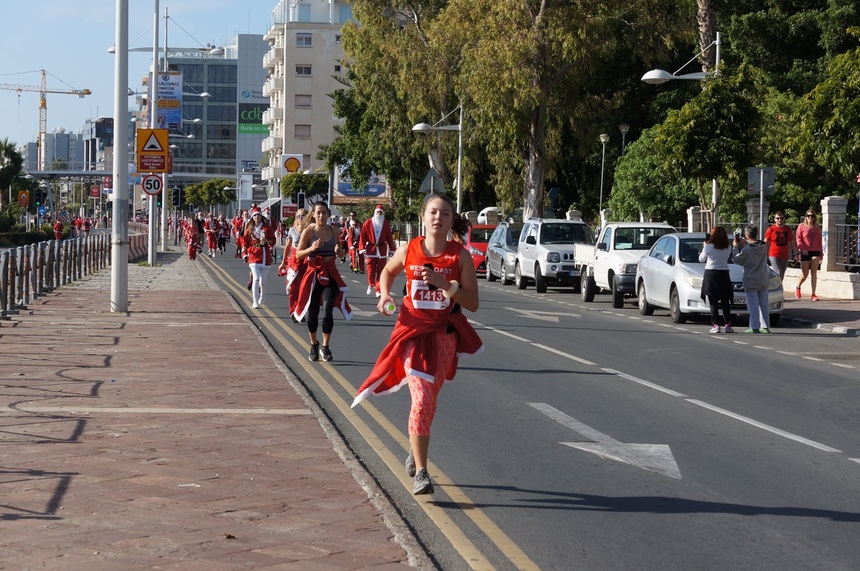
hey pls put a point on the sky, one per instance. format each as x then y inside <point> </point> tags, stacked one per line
<point>69,39</point>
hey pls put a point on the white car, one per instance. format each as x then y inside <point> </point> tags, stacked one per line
<point>482,215</point>
<point>670,276</point>
<point>548,250</point>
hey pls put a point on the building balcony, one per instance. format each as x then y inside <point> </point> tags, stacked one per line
<point>273,84</point>
<point>272,114</point>
<point>270,173</point>
<point>272,57</point>
<point>272,144</point>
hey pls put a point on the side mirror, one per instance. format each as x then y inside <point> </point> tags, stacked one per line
<point>670,259</point>
<point>531,240</point>
<point>602,246</point>
<point>496,244</point>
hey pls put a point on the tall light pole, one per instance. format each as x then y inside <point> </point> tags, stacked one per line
<point>425,128</point>
<point>604,138</point>
<point>624,128</point>
<point>119,229</point>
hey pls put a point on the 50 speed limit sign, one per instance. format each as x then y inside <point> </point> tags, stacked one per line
<point>151,184</point>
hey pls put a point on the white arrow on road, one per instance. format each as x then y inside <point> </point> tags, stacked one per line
<point>654,457</point>
<point>551,316</point>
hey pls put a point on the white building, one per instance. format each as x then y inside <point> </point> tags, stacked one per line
<point>303,63</point>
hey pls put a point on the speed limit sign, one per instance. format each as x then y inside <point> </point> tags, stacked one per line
<point>151,184</point>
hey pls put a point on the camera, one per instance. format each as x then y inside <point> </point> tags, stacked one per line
<point>738,236</point>
<point>430,286</point>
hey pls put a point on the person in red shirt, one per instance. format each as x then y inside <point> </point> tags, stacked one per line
<point>375,242</point>
<point>780,242</point>
<point>431,331</point>
<point>258,240</point>
<point>58,229</point>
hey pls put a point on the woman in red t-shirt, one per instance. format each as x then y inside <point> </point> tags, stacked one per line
<point>431,330</point>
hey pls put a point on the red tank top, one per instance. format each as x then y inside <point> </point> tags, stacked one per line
<point>419,295</point>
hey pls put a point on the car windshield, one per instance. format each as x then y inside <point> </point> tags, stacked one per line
<point>565,233</point>
<point>514,235</point>
<point>638,238</point>
<point>690,250</point>
<point>481,234</point>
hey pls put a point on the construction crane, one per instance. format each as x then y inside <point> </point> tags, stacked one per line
<point>43,105</point>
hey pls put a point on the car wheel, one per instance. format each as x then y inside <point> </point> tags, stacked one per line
<point>519,279</point>
<point>617,296</point>
<point>505,277</point>
<point>491,277</point>
<point>645,308</point>
<point>540,281</point>
<point>774,319</point>
<point>587,287</point>
<point>675,307</point>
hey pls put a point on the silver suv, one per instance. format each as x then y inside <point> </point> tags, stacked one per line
<point>551,251</point>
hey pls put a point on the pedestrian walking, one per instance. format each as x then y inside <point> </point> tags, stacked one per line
<point>291,267</point>
<point>752,254</point>
<point>376,241</point>
<point>259,238</point>
<point>717,283</point>
<point>810,247</point>
<point>431,331</point>
<point>780,243</point>
<point>321,285</point>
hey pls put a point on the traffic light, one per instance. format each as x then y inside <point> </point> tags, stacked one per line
<point>177,197</point>
<point>37,197</point>
<point>158,200</point>
<point>300,199</point>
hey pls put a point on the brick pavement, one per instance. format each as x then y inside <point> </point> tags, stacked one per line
<point>172,437</point>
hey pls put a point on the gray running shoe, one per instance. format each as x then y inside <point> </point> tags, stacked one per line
<point>325,354</point>
<point>422,484</point>
<point>410,465</point>
<point>314,353</point>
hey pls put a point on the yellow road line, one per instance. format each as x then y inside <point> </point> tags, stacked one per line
<point>438,515</point>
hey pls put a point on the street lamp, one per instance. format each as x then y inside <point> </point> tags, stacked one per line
<point>658,76</point>
<point>624,128</point>
<point>425,128</point>
<point>604,138</point>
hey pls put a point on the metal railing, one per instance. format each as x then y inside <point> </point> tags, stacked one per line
<point>847,247</point>
<point>26,272</point>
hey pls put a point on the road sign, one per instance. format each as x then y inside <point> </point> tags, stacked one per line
<point>152,150</point>
<point>754,180</point>
<point>24,198</point>
<point>151,184</point>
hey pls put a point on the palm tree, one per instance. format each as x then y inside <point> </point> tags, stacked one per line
<point>11,162</point>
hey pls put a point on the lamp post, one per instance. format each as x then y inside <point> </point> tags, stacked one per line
<point>658,76</point>
<point>604,138</point>
<point>624,128</point>
<point>425,128</point>
<point>119,229</point>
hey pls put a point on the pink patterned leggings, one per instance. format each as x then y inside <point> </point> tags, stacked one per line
<point>423,392</point>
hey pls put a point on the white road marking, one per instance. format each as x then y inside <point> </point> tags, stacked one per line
<point>646,383</point>
<point>766,427</point>
<point>654,457</point>
<point>563,354</point>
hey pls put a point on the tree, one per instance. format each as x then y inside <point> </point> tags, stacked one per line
<point>212,193</point>
<point>11,163</point>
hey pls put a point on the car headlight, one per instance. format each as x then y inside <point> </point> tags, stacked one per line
<point>626,268</point>
<point>774,283</point>
<point>475,252</point>
<point>553,257</point>
<point>694,282</point>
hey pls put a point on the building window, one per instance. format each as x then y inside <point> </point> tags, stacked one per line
<point>304,40</point>
<point>344,14</point>
<point>303,131</point>
<point>303,13</point>
<point>337,38</point>
<point>303,101</point>
<point>303,70</point>
<point>337,68</point>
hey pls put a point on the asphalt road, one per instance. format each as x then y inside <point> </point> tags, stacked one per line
<point>586,437</point>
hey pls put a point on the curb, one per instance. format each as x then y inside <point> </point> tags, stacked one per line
<point>837,329</point>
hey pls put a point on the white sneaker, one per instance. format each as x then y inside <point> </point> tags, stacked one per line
<point>378,294</point>
<point>715,329</point>
<point>369,290</point>
<point>260,301</point>
<point>254,305</point>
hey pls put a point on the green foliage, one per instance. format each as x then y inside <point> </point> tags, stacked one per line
<point>211,193</point>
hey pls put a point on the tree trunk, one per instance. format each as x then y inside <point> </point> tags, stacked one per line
<point>535,164</point>
<point>707,33</point>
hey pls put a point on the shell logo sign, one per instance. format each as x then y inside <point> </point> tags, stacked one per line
<point>291,164</point>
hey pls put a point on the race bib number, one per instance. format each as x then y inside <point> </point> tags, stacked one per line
<point>425,298</point>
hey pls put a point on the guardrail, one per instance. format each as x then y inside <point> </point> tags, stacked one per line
<point>26,272</point>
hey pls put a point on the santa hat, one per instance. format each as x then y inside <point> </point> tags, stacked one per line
<point>256,210</point>
<point>379,207</point>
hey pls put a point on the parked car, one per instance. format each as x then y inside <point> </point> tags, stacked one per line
<point>670,276</point>
<point>476,243</point>
<point>482,215</point>
<point>502,252</point>
<point>551,250</point>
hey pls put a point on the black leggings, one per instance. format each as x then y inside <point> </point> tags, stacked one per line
<point>326,296</point>
<point>715,314</point>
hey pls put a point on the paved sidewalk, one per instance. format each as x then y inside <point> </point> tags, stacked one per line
<point>832,315</point>
<point>172,437</point>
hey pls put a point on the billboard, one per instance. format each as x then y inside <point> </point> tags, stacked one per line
<point>251,119</point>
<point>345,192</point>
<point>169,100</point>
